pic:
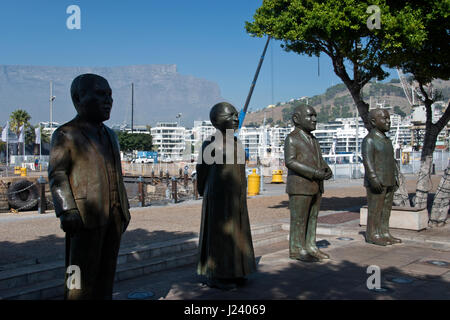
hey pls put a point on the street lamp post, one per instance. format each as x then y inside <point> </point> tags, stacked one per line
<point>52,98</point>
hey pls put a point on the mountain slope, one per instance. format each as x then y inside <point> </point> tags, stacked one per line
<point>160,93</point>
<point>336,102</point>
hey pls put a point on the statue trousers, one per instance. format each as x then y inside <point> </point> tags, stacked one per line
<point>379,211</point>
<point>95,252</point>
<point>304,211</point>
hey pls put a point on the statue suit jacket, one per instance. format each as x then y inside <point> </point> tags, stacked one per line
<point>302,158</point>
<point>378,159</point>
<point>78,175</point>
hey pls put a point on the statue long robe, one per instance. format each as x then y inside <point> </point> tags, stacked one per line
<point>225,244</point>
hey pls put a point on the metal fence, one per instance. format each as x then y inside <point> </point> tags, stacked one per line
<point>146,169</point>
<point>408,165</point>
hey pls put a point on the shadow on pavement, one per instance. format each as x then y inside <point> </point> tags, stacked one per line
<point>332,203</point>
<point>327,280</point>
<point>52,247</point>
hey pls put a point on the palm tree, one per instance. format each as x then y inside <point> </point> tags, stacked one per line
<point>17,119</point>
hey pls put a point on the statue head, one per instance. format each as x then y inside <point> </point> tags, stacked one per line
<point>380,119</point>
<point>224,116</point>
<point>305,117</point>
<point>91,96</point>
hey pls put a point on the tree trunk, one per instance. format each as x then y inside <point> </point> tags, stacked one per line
<point>441,201</point>
<point>401,197</point>
<point>424,184</point>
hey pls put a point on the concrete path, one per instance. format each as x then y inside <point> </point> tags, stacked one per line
<point>406,272</point>
<point>28,238</point>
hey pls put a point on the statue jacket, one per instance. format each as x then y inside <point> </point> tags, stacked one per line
<point>78,175</point>
<point>378,159</point>
<point>302,158</point>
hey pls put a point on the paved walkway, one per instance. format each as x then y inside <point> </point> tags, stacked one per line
<point>405,273</point>
<point>28,238</point>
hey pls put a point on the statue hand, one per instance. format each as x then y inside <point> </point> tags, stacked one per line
<point>328,173</point>
<point>376,185</point>
<point>71,221</point>
<point>319,174</point>
<point>322,174</point>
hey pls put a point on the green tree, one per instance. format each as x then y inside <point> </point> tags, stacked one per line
<point>323,116</point>
<point>399,111</point>
<point>425,55</point>
<point>18,118</point>
<point>134,141</point>
<point>336,28</point>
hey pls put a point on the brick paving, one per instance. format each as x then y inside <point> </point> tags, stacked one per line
<point>27,236</point>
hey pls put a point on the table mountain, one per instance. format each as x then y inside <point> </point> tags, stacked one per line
<point>160,93</point>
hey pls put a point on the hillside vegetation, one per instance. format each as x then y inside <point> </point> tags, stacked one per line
<point>336,102</point>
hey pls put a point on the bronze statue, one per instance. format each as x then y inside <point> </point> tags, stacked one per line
<point>86,182</point>
<point>380,179</point>
<point>306,172</point>
<point>226,253</point>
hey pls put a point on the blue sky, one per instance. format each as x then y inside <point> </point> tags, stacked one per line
<point>204,38</point>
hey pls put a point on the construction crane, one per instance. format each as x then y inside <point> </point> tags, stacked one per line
<point>249,96</point>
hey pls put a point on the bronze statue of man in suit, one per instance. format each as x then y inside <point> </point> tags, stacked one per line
<point>380,179</point>
<point>87,186</point>
<point>306,172</point>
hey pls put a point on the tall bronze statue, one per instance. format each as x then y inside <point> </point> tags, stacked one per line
<point>380,179</point>
<point>226,254</point>
<point>306,172</point>
<point>86,182</point>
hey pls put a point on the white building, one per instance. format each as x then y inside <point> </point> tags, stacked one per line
<point>48,127</point>
<point>277,135</point>
<point>200,132</point>
<point>169,140</point>
<point>253,140</point>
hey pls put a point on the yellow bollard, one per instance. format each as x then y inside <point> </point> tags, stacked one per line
<point>23,172</point>
<point>277,176</point>
<point>16,170</point>
<point>253,183</point>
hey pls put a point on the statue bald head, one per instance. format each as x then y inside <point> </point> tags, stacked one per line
<point>305,117</point>
<point>224,116</point>
<point>380,119</point>
<point>91,96</point>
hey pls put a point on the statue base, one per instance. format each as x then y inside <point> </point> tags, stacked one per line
<point>401,218</point>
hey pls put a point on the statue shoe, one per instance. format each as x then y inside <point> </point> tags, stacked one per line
<point>315,252</point>
<point>242,281</point>
<point>377,240</point>
<point>432,223</point>
<point>393,239</point>
<point>220,284</point>
<point>304,257</point>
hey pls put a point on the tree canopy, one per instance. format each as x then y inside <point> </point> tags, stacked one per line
<point>18,118</point>
<point>339,28</point>
<point>134,141</point>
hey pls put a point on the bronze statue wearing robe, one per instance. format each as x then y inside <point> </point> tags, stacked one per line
<point>226,254</point>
